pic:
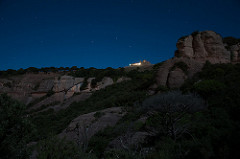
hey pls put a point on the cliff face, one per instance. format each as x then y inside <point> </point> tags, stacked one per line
<point>193,51</point>
<point>51,89</point>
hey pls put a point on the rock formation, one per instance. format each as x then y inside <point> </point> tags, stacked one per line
<point>193,51</point>
<point>47,89</point>
<point>203,46</point>
<point>82,128</point>
<point>235,50</point>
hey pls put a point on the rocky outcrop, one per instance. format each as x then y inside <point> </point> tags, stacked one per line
<point>67,82</point>
<point>203,46</point>
<point>82,128</point>
<point>235,50</point>
<point>48,89</point>
<point>176,78</point>
<point>121,79</point>
<point>106,81</point>
<point>171,74</point>
<point>193,51</point>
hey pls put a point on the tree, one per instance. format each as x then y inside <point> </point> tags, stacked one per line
<point>15,129</point>
<point>173,112</point>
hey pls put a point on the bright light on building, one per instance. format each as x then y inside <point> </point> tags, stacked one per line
<point>135,64</point>
<point>141,63</point>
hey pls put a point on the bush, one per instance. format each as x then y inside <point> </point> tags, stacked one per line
<point>195,33</point>
<point>56,148</point>
<point>208,87</point>
<point>157,66</point>
<point>15,129</point>
<point>84,84</point>
<point>174,101</point>
<point>231,41</point>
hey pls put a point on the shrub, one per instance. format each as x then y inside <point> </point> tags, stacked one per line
<point>162,88</point>
<point>208,87</point>
<point>15,129</point>
<point>231,41</point>
<point>56,148</point>
<point>157,66</point>
<point>84,84</point>
<point>174,101</point>
<point>93,83</point>
<point>195,33</point>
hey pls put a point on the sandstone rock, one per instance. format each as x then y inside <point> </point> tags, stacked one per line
<point>203,46</point>
<point>56,97</point>
<point>235,50</point>
<point>106,81</point>
<point>184,46</point>
<point>194,50</point>
<point>121,79</point>
<point>63,84</point>
<point>85,126</point>
<point>78,80</point>
<point>45,85</point>
<point>176,78</point>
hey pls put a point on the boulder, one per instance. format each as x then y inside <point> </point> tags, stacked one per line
<point>106,81</point>
<point>82,128</point>
<point>176,78</point>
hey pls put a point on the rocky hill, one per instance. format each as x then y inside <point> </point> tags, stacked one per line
<point>192,53</point>
<point>129,113</point>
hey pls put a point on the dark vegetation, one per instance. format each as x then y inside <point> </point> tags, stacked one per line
<point>11,72</point>
<point>201,120</point>
<point>73,71</point>
<point>15,129</point>
<point>219,85</point>
<point>121,94</point>
<point>231,41</point>
<point>183,66</point>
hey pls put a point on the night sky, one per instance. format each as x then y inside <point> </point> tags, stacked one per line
<point>105,33</point>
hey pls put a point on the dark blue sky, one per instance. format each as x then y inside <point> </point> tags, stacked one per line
<point>105,33</point>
